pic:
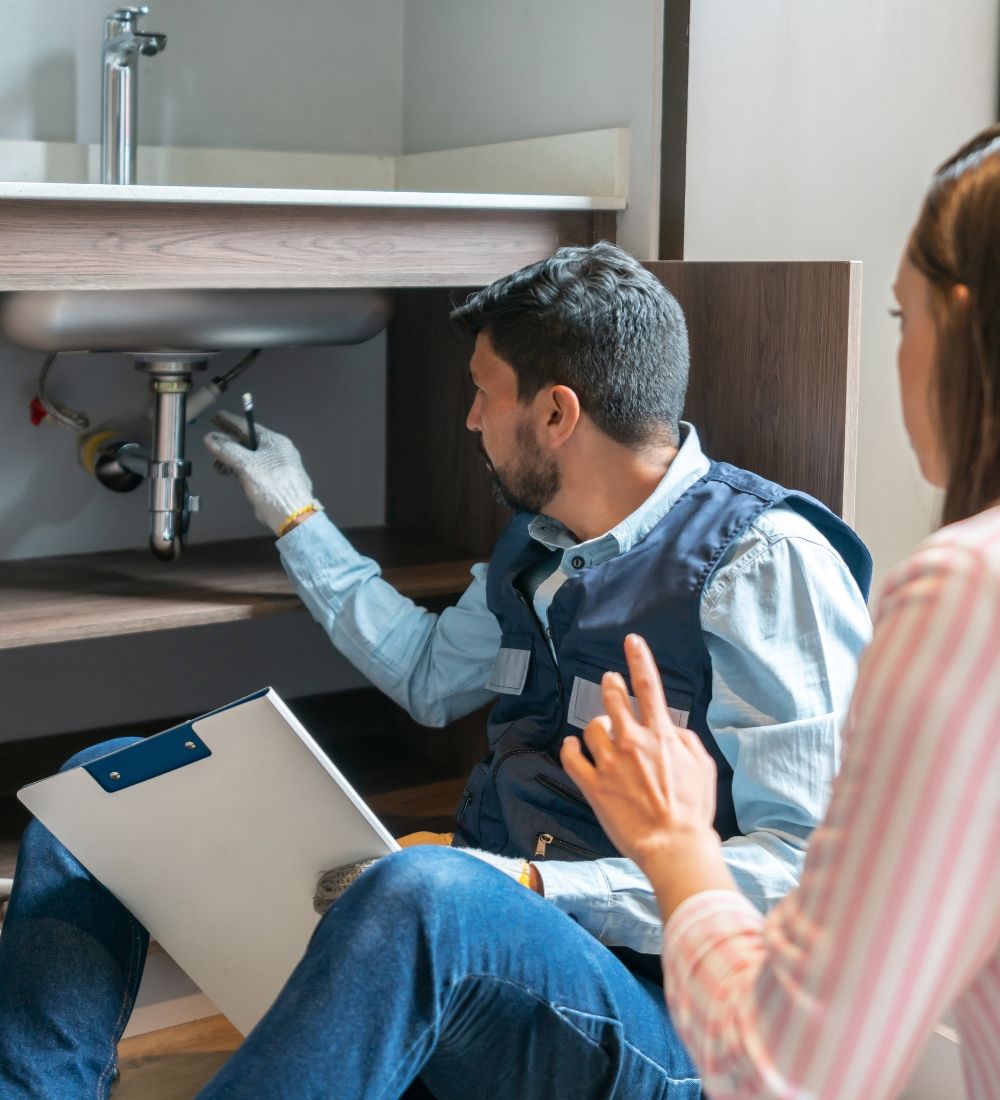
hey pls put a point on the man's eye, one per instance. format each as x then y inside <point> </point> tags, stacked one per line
<point>896,315</point>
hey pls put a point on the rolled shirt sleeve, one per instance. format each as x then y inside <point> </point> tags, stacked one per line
<point>434,665</point>
<point>784,623</point>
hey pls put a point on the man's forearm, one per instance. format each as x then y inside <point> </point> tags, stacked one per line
<point>435,666</point>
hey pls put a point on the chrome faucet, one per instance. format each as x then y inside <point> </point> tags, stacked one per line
<point>123,44</point>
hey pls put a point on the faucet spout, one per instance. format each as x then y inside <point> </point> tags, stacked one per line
<point>123,43</point>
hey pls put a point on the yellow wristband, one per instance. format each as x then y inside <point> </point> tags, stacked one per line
<point>289,521</point>
<point>525,879</point>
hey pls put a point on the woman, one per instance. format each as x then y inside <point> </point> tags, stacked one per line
<point>897,918</point>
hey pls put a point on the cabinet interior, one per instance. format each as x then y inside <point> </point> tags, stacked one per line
<point>773,387</point>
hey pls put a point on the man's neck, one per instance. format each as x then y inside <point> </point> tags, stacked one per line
<point>598,493</point>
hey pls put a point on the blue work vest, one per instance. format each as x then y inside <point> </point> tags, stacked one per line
<point>518,800</point>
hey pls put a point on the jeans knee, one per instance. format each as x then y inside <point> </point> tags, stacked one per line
<point>426,881</point>
<point>95,752</point>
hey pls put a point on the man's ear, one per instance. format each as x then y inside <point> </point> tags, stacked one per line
<point>562,414</point>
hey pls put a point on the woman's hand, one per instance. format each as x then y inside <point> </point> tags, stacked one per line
<point>651,784</point>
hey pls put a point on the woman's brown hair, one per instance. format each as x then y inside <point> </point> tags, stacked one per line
<point>956,242</point>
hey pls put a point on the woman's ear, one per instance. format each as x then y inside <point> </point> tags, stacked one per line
<point>562,414</point>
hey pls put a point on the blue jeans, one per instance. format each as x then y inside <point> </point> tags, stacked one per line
<point>432,965</point>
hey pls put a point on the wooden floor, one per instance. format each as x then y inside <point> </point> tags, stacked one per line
<point>175,1063</point>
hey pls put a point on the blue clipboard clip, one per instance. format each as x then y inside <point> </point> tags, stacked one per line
<point>164,752</point>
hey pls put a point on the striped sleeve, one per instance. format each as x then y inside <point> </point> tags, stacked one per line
<point>834,992</point>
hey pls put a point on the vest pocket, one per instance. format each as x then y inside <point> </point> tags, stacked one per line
<point>586,703</point>
<point>510,669</point>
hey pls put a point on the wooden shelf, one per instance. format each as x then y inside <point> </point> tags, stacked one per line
<point>66,599</point>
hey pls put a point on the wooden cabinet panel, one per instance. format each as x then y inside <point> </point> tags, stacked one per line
<point>775,353</point>
<point>436,482</point>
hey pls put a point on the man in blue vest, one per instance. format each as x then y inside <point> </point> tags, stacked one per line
<point>527,965</point>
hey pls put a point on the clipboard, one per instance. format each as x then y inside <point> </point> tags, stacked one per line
<point>213,834</point>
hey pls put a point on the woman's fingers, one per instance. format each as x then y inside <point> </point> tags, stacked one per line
<point>617,703</point>
<point>646,684</point>
<point>577,766</point>
<point>598,736</point>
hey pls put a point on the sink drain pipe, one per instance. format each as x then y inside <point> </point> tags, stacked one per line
<point>122,464</point>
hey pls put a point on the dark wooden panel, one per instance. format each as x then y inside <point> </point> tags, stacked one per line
<point>436,483</point>
<point>774,368</point>
<point>604,227</point>
<point>673,127</point>
<point>90,245</point>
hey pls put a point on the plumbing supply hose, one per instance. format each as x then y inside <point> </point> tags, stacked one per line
<point>234,372</point>
<point>208,394</point>
<point>61,414</point>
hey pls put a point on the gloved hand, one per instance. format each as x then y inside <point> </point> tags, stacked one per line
<point>272,477</point>
<point>331,884</point>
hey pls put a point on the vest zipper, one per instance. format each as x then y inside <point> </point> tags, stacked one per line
<point>546,639</point>
<point>561,789</point>
<point>466,799</point>
<point>507,755</point>
<point>546,840</point>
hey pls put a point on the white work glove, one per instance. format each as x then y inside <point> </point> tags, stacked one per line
<point>272,477</point>
<point>332,884</point>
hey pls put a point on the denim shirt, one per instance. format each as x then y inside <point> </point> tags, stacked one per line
<point>784,624</point>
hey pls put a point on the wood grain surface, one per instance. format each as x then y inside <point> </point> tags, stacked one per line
<point>175,1062</point>
<point>436,482</point>
<point>62,599</point>
<point>775,351</point>
<point>103,245</point>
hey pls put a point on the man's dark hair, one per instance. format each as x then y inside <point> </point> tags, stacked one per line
<point>596,320</point>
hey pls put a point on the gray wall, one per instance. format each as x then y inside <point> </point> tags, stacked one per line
<point>329,400</point>
<point>478,72</point>
<point>306,76</point>
<point>812,131</point>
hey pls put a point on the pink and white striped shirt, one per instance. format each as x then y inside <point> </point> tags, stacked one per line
<point>897,919</point>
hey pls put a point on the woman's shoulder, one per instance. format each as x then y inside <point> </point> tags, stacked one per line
<point>966,553</point>
<point>978,536</point>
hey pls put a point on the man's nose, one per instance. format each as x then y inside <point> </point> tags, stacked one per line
<point>472,420</point>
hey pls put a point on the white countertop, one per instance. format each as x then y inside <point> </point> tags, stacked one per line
<point>288,196</point>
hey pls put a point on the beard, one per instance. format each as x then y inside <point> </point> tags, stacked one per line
<point>529,481</point>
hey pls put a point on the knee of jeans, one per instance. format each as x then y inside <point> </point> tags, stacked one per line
<point>94,752</point>
<point>425,878</point>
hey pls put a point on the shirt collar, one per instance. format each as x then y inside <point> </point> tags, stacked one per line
<point>688,466</point>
